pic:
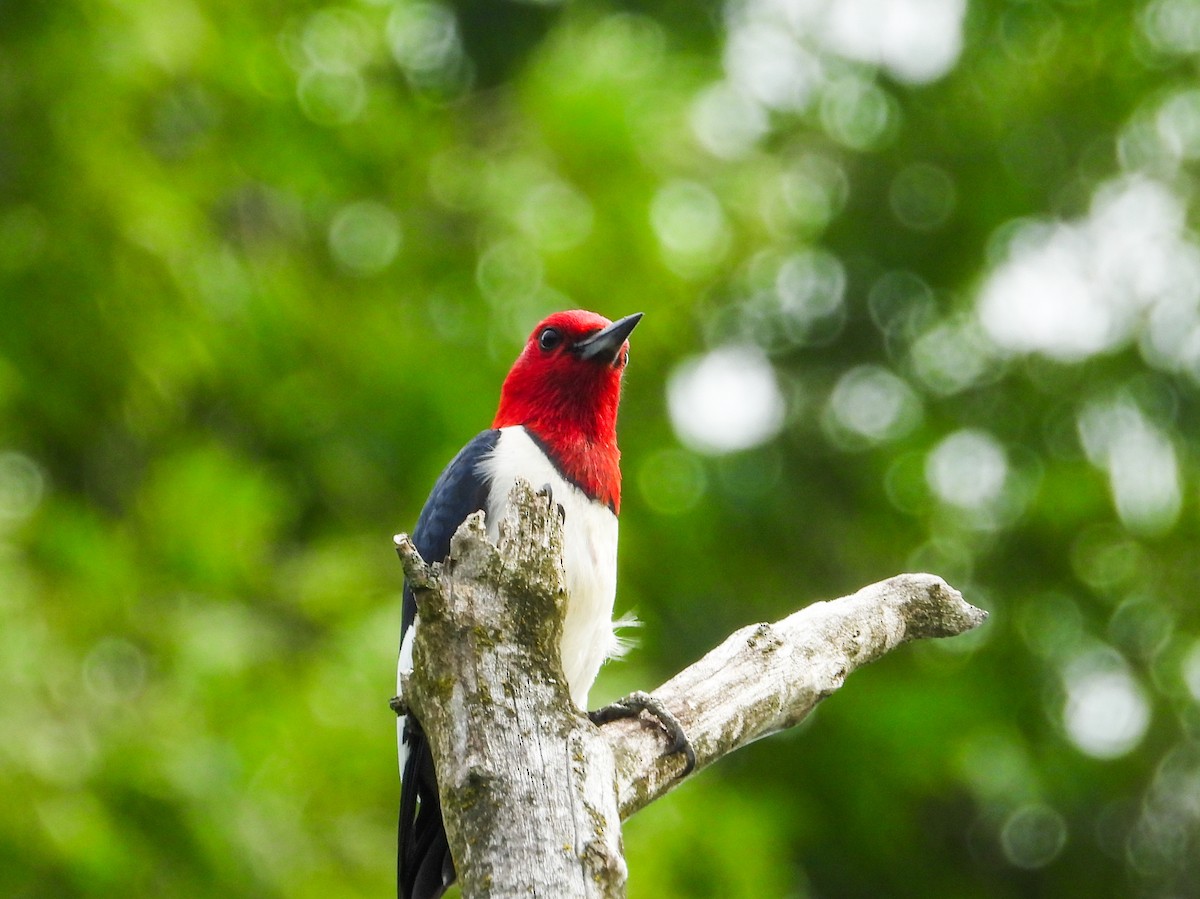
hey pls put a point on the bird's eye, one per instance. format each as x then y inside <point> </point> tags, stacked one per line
<point>549,339</point>
<point>623,359</point>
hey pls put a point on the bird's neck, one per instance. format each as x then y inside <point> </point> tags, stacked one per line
<point>593,467</point>
<point>577,433</point>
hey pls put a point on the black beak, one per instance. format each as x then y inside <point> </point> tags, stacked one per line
<point>604,345</point>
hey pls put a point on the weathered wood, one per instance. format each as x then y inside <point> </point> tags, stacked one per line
<point>526,781</point>
<point>768,677</point>
<point>532,792</point>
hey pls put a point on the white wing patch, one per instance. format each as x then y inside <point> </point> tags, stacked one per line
<point>404,666</point>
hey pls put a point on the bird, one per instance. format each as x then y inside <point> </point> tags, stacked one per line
<point>555,427</point>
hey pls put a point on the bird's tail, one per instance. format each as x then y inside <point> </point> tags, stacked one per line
<point>425,869</point>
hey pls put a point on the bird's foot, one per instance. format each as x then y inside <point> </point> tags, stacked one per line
<point>636,703</point>
<point>548,492</point>
<point>398,705</point>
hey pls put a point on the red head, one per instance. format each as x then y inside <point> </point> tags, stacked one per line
<point>565,388</point>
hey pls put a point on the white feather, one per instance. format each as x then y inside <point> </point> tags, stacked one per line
<point>404,666</point>
<point>589,558</point>
<point>589,554</point>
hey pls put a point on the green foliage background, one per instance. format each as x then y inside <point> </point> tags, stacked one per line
<point>263,267</point>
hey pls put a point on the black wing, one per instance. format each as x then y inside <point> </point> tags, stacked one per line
<point>424,866</point>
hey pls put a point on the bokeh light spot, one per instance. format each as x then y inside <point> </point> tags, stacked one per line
<point>1029,33</point>
<point>556,216</point>
<point>331,98</point>
<point>690,225</point>
<point>770,65</point>
<point>870,405</point>
<point>212,638</point>
<point>1172,26</point>
<point>423,36</point>
<point>967,469</point>
<point>1072,290</point>
<point>952,356</point>
<point>1106,712</point>
<point>792,300</point>
<point>622,46</point>
<point>901,304</point>
<point>917,41</point>
<point>726,121</point>
<point>64,753</point>
<point>509,271</point>
<point>779,51</point>
<point>1178,123</point>
<point>337,39</point>
<point>1141,627</point>
<point>114,670</point>
<point>425,43</point>
<point>810,288</point>
<point>1143,470</point>
<point>813,190</point>
<point>21,486</point>
<point>922,197</point>
<point>857,113</point>
<point>1107,559</point>
<point>1163,840</point>
<point>725,401</point>
<point>1191,670</point>
<point>996,764</point>
<point>1033,836</point>
<point>364,237</point>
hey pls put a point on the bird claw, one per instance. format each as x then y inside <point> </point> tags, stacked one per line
<point>636,703</point>
<point>548,492</point>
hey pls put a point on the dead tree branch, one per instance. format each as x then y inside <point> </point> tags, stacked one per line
<point>532,792</point>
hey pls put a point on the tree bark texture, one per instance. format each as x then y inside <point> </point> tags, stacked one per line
<point>532,792</point>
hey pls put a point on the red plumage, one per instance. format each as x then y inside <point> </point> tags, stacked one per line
<point>569,401</point>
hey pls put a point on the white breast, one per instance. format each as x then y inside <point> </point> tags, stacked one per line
<point>589,555</point>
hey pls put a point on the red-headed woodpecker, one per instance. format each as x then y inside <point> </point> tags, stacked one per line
<point>556,426</point>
